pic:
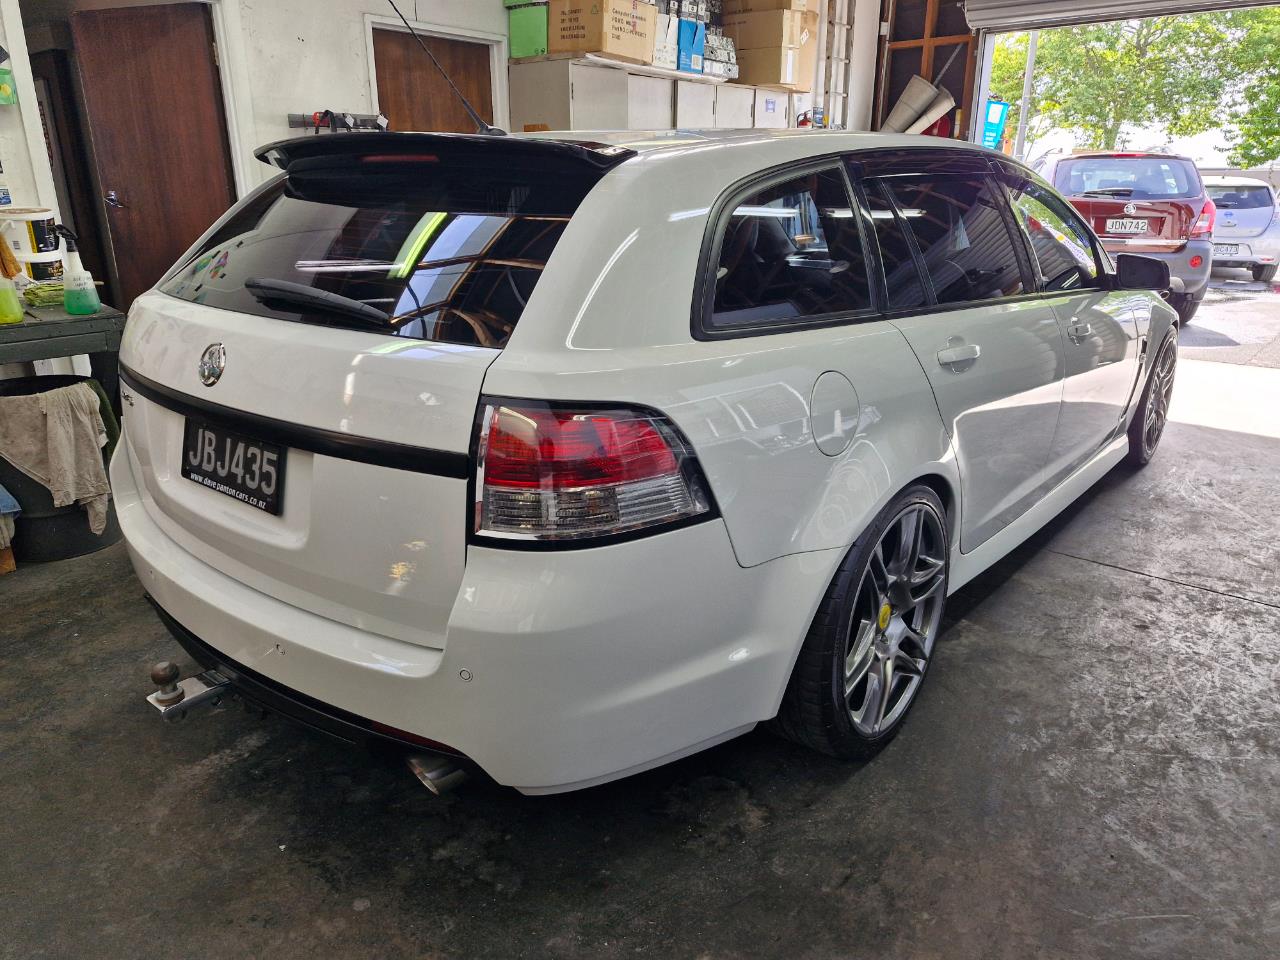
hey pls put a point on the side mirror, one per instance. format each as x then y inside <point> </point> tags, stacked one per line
<point>1136,272</point>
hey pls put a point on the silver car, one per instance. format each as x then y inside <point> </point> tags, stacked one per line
<point>1247,233</point>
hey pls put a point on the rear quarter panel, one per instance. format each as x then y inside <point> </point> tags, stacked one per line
<point>610,320</point>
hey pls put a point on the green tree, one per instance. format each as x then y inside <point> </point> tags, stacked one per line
<point>1098,79</point>
<point>1254,130</point>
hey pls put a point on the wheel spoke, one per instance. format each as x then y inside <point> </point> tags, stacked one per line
<point>887,679</point>
<point>867,716</point>
<point>860,657</point>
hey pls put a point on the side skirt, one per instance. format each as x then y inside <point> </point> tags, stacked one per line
<point>966,566</point>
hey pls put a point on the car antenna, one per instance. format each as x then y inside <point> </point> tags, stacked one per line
<point>481,126</point>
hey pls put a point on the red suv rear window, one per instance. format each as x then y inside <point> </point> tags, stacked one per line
<point>1129,178</point>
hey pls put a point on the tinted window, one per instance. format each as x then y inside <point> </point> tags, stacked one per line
<point>1060,241</point>
<point>1242,197</point>
<point>902,279</point>
<point>961,233</point>
<point>438,252</point>
<point>790,252</point>
<point>1132,178</point>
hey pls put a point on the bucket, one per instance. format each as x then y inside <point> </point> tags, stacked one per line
<point>41,267</point>
<point>44,532</point>
<point>30,231</point>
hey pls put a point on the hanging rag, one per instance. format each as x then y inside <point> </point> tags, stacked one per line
<point>9,508</point>
<point>56,438</point>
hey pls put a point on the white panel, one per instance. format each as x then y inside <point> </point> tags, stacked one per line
<point>734,106</point>
<point>597,98</point>
<point>1028,14</point>
<point>862,64</point>
<point>695,105</point>
<point>539,95</point>
<point>771,108</point>
<point>649,104</point>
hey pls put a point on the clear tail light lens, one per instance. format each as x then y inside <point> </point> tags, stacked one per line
<point>560,472</point>
<point>1204,223</point>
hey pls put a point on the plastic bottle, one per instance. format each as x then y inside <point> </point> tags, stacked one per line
<point>79,295</point>
<point>10,305</point>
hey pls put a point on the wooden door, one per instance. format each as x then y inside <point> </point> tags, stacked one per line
<point>412,93</point>
<point>153,102</point>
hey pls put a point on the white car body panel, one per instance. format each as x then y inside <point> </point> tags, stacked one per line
<point>1254,230</point>
<point>557,669</point>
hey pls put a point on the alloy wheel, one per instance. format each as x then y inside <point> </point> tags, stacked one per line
<point>1157,411</point>
<point>897,610</point>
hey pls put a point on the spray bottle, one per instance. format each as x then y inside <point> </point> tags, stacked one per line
<point>79,295</point>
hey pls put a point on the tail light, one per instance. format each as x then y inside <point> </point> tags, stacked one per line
<point>568,472</point>
<point>1204,223</point>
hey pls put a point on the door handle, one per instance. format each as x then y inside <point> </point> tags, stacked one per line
<point>1079,329</point>
<point>962,354</point>
<point>112,199</point>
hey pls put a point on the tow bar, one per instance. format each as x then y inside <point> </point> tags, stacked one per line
<point>176,698</point>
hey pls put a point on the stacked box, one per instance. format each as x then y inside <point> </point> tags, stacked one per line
<point>722,55</point>
<point>693,45</point>
<point>776,46</point>
<point>666,41</point>
<point>622,29</point>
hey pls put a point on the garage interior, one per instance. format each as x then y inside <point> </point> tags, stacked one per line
<point>1094,770</point>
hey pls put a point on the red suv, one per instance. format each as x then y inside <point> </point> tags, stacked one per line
<point>1149,203</point>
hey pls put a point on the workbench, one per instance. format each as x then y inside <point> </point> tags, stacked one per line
<point>49,332</point>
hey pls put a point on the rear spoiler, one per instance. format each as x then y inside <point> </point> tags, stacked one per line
<point>597,157</point>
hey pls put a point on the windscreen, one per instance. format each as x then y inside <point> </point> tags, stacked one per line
<point>1128,178</point>
<point>410,247</point>
<point>1242,197</point>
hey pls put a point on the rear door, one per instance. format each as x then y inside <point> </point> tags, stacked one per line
<point>1139,203</point>
<point>284,434</point>
<point>994,357</point>
<point>1099,327</point>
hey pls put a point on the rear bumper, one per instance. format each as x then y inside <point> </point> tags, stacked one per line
<point>1195,279</point>
<point>1258,251</point>
<point>560,669</point>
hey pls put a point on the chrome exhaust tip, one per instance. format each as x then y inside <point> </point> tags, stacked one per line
<point>438,774</point>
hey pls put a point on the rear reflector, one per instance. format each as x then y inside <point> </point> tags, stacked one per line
<point>561,472</point>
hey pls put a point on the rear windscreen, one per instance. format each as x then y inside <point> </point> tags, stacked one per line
<point>410,248</point>
<point>1128,178</point>
<point>1242,197</point>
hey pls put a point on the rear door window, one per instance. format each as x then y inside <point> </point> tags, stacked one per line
<point>428,250</point>
<point>789,253</point>
<point>962,234</point>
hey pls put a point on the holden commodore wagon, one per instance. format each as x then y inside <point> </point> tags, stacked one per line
<point>564,456</point>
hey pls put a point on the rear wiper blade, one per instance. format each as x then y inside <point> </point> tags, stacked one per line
<point>1109,192</point>
<point>298,294</point>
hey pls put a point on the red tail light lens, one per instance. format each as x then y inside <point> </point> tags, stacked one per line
<point>1204,223</point>
<point>557,472</point>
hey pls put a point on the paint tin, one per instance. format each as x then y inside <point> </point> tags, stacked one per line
<point>30,230</point>
<point>41,267</point>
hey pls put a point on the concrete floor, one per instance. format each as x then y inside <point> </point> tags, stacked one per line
<point>1093,771</point>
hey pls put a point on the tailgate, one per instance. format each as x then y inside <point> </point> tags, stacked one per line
<point>1139,226</point>
<point>374,434</point>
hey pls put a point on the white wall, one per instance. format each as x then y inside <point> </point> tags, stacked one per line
<point>303,55</point>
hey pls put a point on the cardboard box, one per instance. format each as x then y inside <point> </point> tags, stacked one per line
<point>527,29</point>
<point>769,66</point>
<point>623,29</point>
<point>693,45</point>
<point>666,42</point>
<point>753,6</point>
<point>764,28</point>
<point>807,62</point>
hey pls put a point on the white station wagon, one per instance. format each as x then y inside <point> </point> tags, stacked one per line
<point>565,456</point>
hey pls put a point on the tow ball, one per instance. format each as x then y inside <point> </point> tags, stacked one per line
<point>176,698</point>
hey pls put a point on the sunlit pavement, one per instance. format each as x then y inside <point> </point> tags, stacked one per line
<point>1238,323</point>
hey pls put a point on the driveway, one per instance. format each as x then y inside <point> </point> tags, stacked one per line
<point>1239,322</point>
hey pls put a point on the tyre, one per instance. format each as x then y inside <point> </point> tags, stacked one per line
<point>1153,412</point>
<point>870,644</point>
<point>1186,307</point>
<point>1265,274</point>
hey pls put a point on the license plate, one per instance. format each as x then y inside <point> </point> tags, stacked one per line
<point>1226,249</point>
<point>1125,225</point>
<point>251,471</point>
